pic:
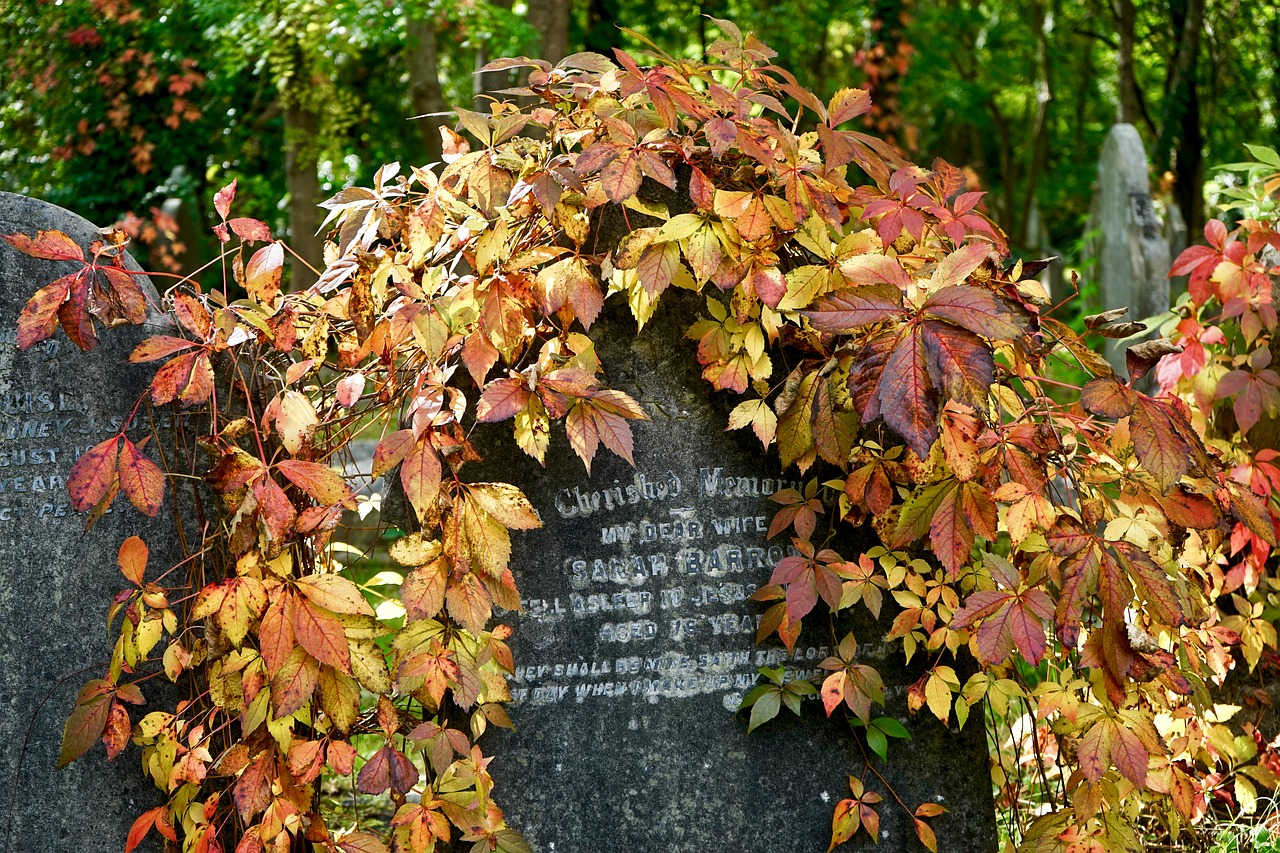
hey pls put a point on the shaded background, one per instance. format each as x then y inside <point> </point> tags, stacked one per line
<point>139,110</point>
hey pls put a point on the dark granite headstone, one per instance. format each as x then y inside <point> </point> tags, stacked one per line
<point>637,644</point>
<point>56,583</point>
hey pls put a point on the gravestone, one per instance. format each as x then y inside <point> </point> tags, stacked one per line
<point>56,583</point>
<point>1130,251</point>
<point>637,642</point>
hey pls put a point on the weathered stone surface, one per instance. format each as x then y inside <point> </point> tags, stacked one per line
<point>56,583</point>
<point>637,643</point>
<point>1130,251</point>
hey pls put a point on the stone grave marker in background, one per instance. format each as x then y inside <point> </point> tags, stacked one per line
<point>56,583</point>
<point>637,643</point>
<point>1129,249</point>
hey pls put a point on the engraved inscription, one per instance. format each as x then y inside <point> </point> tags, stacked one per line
<point>664,594</point>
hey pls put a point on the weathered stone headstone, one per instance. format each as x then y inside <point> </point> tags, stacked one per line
<point>1130,251</point>
<point>56,583</point>
<point>637,643</point>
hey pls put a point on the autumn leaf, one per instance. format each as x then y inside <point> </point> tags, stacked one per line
<point>133,559</point>
<point>252,791</point>
<point>325,485</point>
<point>48,245</point>
<point>141,479</point>
<point>87,721</point>
<point>388,768</point>
<point>334,592</point>
<point>420,476</point>
<point>391,451</point>
<point>39,317</point>
<point>320,632</point>
<point>469,602</point>
<point>93,474</point>
<point>295,682</point>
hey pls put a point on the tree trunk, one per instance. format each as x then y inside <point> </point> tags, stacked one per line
<point>1129,110</point>
<point>1181,142</point>
<point>425,94</point>
<point>490,81</point>
<point>1039,133</point>
<point>301,127</point>
<point>551,19</point>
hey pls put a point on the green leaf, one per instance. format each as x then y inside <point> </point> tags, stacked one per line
<point>878,742</point>
<point>765,709</point>
<point>891,727</point>
<point>1263,154</point>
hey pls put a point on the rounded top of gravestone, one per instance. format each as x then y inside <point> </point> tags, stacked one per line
<point>1124,159</point>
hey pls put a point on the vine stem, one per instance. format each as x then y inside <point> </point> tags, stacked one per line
<point>26,741</point>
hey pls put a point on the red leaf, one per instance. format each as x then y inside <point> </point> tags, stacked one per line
<point>1160,449</point>
<point>275,511</point>
<point>39,317</point>
<point>950,534</point>
<point>47,245</point>
<point>621,178</point>
<point>325,485</point>
<point>980,311</point>
<point>172,378</point>
<point>252,792</point>
<point>76,319</point>
<point>93,475</point>
<point>391,451</point>
<point>125,297</point>
<point>502,399</point>
<point>133,559</point>
<point>141,479</point>
<point>907,400</point>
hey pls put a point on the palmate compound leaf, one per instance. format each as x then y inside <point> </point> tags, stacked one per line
<point>1009,622</point>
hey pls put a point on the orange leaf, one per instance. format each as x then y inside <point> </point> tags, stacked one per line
<point>321,633</point>
<point>925,833</point>
<point>93,475</point>
<point>141,827</point>
<point>252,792</point>
<point>275,635</point>
<point>141,479</point>
<point>157,347</point>
<point>172,378</point>
<point>39,317</point>
<point>116,734</point>
<point>325,485</point>
<point>423,590</point>
<point>133,559</point>
<point>46,245</point>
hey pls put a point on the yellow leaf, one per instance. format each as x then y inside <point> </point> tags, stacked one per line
<point>938,695</point>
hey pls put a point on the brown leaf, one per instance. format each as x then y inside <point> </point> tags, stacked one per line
<point>252,791</point>
<point>116,734</point>
<point>1142,357</point>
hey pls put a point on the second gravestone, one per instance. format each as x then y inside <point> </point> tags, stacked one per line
<point>638,642</point>
<point>56,583</point>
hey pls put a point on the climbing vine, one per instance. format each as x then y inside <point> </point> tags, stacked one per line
<point>1070,542</point>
